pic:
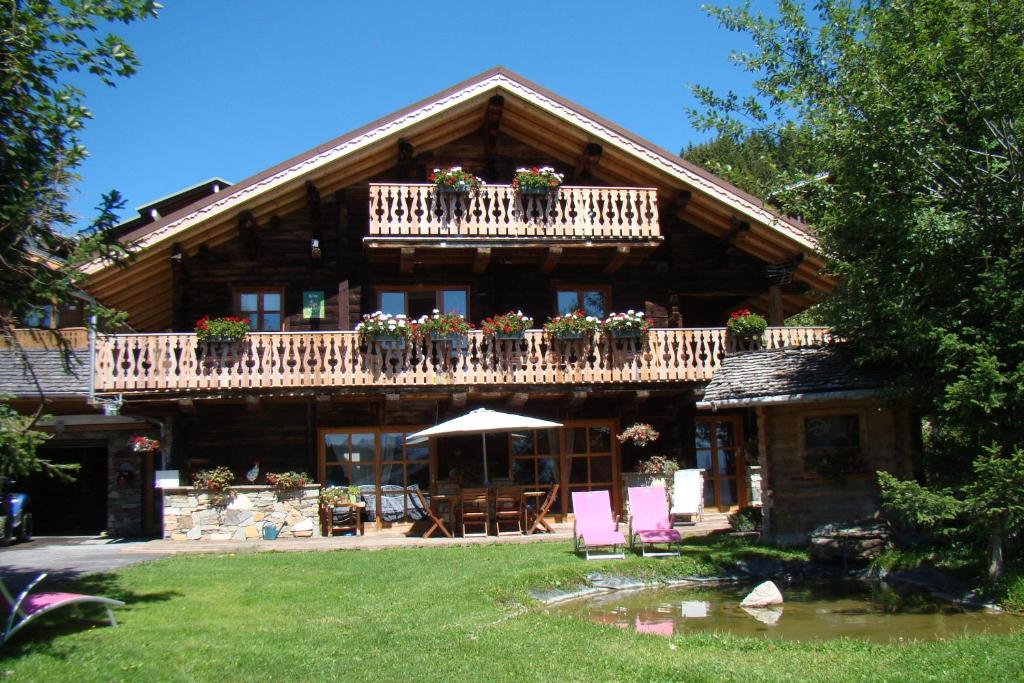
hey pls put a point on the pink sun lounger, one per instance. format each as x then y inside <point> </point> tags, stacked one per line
<point>27,607</point>
<point>649,521</point>
<point>595,526</point>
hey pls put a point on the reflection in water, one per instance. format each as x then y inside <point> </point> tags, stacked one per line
<point>853,609</point>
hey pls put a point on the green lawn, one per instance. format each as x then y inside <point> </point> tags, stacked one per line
<point>456,613</point>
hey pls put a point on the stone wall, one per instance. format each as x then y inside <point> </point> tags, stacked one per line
<point>192,516</point>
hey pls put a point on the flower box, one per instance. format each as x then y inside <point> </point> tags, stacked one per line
<point>537,180</point>
<point>386,341</point>
<point>626,334</point>
<point>446,336</point>
<point>568,336</point>
<point>510,336</point>
<point>536,191</point>
<point>457,188</point>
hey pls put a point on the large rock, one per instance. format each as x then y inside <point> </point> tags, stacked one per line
<point>240,502</point>
<point>763,595</point>
<point>858,543</point>
<point>303,525</point>
<point>766,615</point>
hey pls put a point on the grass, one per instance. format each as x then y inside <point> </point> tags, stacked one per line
<point>457,613</point>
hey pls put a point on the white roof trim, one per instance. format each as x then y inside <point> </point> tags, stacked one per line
<point>234,198</point>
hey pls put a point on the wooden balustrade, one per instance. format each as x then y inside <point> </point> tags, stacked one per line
<point>500,212</point>
<point>176,362</point>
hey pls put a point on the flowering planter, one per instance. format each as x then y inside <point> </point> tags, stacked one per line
<point>537,190</point>
<point>223,340</point>
<point>457,188</point>
<point>451,337</point>
<point>388,342</point>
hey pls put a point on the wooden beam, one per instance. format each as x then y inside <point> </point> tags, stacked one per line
<point>187,406</point>
<point>617,259</point>
<point>405,167</point>
<point>517,399</point>
<point>738,231</point>
<point>481,259</point>
<point>639,398</point>
<point>459,399</point>
<point>408,259</point>
<point>253,404</point>
<point>776,312</point>
<point>179,287</point>
<point>550,259</point>
<point>248,230</point>
<point>489,133</point>
<point>576,398</point>
<point>588,162</point>
<point>679,202</point>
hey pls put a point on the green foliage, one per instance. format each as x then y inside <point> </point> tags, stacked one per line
<point>572,324</point>
<point>287,481</point>
<point>747,518</point>
<point>18,444</point>
<point>915,110</point>
<point>216,481</point>
<point>743,323</point>
<point>41,119</point>
<point>230,328</point>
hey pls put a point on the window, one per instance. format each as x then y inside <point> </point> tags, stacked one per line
<point>416,301</point>
<point>535,457</point>
<point>832,445</point>
<point>591,300</point>
<point>38,316</point>
<point>590,458</point>
<point>263,308</point>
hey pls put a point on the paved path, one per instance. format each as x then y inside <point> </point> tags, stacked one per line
<point>67,557</point>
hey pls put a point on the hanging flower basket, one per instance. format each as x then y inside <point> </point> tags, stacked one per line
<point>143,444</point>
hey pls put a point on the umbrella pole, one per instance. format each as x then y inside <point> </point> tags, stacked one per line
<point>483,440</point>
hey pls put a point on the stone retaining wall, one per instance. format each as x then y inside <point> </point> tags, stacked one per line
<point>193,516</point>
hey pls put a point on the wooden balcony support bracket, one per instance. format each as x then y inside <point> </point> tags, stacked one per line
<point>187,406</point>
<point>179,286</point>
<point>679,202</point>
<point>639,398</point>
<point>517,399</point>
<point>253,404</point>
<point>737,232</point>
<point>248,230</point>
<point>616,260</point>
<point>407,260</point>
<point>459,399</point>
<point>481,259</point>
<point>550,260</point>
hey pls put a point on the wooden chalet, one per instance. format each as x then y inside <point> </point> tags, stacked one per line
<point>309,246</point>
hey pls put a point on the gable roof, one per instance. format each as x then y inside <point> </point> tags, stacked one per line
<point>357,155</point>
<point>787,375</point>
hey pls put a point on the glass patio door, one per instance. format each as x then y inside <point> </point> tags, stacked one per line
<point>717,441</point>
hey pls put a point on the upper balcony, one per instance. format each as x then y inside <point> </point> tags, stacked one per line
<point>622,219</point>
<point>176,363</point>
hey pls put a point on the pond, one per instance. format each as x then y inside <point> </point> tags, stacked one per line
<point>820,611</point>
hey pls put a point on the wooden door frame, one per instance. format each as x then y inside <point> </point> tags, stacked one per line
<point>742,485</point>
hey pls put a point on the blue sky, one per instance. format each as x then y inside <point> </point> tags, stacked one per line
<point>230,88</point>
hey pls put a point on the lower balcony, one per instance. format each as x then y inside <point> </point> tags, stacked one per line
<point>165,363</point>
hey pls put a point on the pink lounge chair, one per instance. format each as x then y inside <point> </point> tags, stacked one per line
<point>28,607</point>
<point>594,525</point>
<point>649,521</point>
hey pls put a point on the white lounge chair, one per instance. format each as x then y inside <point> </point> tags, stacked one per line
<point>688,495</point>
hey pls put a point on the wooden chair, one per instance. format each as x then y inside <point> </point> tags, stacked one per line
<point>508,510</point>
<point>473,509</point>
<point>342,518</point>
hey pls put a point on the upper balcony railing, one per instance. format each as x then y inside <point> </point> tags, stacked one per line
<point>499,212</point>
<point>176,362</point>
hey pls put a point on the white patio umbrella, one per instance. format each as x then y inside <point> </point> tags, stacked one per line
<point>482,421</point>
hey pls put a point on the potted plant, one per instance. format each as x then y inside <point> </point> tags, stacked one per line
<point>639,434</point>
<point>227,329</point>
<point>630,324</point>
<point>511,325</point>
<point>571,326</point>
<point>331,495</point>
<point>216,482</point>
<point>454,179</point>
<point>660,468</point>
<point>746,325</point>
<point>390,330</point>
<point>287,481</point>
<point>543,180</point>
<point>440,326</point>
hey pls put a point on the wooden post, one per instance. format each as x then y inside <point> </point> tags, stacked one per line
<point>776,316</point>
<point>762,460</point>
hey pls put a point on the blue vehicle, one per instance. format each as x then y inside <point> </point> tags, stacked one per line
<point>17,520</point>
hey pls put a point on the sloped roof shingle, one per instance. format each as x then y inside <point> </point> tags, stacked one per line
<point>49,367</point>
<point>760,375</point>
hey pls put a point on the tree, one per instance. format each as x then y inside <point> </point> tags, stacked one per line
<point>41,116</point>
<point>915,107</point>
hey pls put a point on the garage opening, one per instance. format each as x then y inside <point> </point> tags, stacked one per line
<point>77,508</point>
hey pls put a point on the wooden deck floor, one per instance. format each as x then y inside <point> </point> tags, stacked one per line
<point>378,540</point>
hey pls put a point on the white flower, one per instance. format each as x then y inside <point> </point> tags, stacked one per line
<point>630,312</point>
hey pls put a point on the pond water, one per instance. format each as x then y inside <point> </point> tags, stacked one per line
<point>820,611</point>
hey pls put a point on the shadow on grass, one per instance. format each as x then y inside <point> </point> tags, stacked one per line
<point>40,636</point>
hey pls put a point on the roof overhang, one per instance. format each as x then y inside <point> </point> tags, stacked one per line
<point>818,397</point>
